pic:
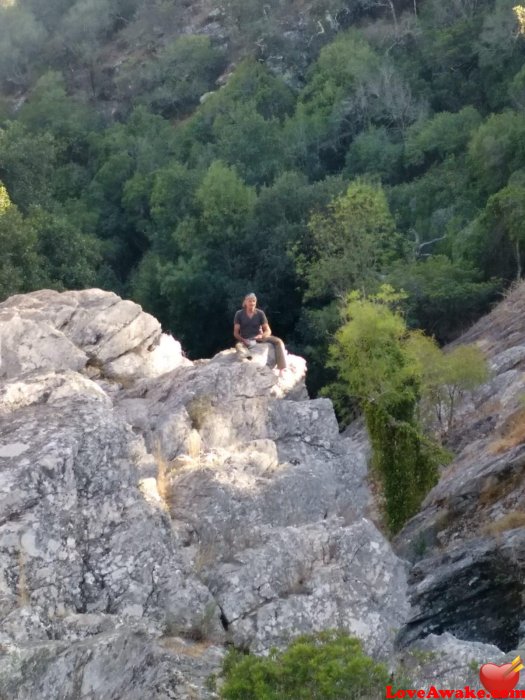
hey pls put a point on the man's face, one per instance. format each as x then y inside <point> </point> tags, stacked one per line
<point>250,303</point>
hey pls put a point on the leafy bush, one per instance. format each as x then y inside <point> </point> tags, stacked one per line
<point>327,666</point>
<point>373,354</point>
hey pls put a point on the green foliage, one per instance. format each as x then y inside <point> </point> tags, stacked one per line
<point>172,82</point>
<point>494,240</point>
<point>69,259</point>
<point>351,242</point>
<point>505,210</point>
<point>442,135</point>
<point>496,149</point>
<point>21,41</point>
<point>330,665</point>
<point>83,28</point>
<point>253,144</point>
<point>370,356</point>
<point>172,199</point>
<point>443,297</point>
<point>5,201</point>
<point>374,152</point>
<point>27,164</point>
<point>373,354</point>
<point>226,204</point>
<point>20,264</point>
<point>342,67</point>
<point>446,378</point>
<point>49,109</point>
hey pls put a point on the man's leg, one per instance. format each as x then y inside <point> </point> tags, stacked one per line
<point>280,352</point>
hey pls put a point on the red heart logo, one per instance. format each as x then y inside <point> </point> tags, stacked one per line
<point>498,680</point>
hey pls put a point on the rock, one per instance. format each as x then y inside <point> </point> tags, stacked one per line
<point>149,504</point>
<point>76,532</point>
<point>467,541</point>
<point>119,663</point>
<point>164,357</point>
<point>26,345</point>
<point>303,580</point>
<point>74,330</point>
<point>448,662</point>
<point>489,570</point>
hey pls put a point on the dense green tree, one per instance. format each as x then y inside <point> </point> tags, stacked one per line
<point>375,152</point>
<point>21,40</point>
<point>504,221</point>
<point>444,134</point>
<point>20,263</point>
<point>435,205</point>
<point>27,164</point>
<point>496,149</point>
<point>330,665</point>
<point>351,242</point>
<point>50,109</point>
<point>254,145</point>
<point>172,200</point>
<point>373,354</point>
<point>48,13</point>
<point>443,297</point>
<point>69,259</point>
<point>500,52</point>
<point>172,82</point>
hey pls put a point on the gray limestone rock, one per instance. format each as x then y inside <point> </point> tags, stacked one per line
<point>76,330</point>
<point>305,579</point>
<point>127,662</point>
<point>149,505</point>
<point>79,531</point>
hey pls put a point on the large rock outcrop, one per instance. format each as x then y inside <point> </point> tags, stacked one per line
<point>152,508</point>
<point>468,541</point>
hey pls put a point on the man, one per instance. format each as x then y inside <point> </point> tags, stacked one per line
<point>250,326</point>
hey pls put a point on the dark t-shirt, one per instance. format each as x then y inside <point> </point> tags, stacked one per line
<point>250,327</point>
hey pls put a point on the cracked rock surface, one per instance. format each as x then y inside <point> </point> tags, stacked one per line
<point>153,509</point>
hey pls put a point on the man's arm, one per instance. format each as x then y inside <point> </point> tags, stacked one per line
<point>266,332</point>
<point>237,334</point>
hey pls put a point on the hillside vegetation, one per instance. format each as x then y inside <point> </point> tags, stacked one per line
<point>184,154</point>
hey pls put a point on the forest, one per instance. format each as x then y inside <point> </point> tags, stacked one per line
<point>298,150</point>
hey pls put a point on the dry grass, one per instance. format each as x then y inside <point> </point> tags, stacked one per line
<point>194,650</point>
<point>496,489</point>
<point>23,591</point>
<point>510,521</point>
<point>163,470</point>
<point>194,444</point>
<point>512,434</point>
<point>199,409</point>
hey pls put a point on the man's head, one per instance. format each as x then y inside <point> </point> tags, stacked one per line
<point>250,301</point>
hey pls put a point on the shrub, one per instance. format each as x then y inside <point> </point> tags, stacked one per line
<point>329,666</point>
<point>376,363</point>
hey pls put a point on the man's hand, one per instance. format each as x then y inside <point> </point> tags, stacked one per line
<point>259,336</point>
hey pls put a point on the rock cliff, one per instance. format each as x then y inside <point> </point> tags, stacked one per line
<point>153,509</point>
<point>468,542</point>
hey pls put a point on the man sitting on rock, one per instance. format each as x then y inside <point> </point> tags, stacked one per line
<point>250,326</point>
